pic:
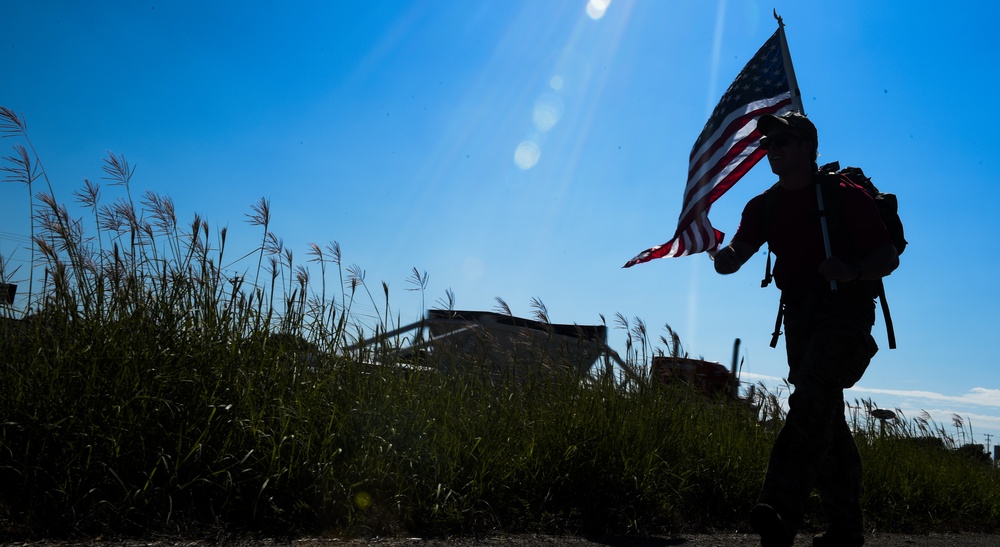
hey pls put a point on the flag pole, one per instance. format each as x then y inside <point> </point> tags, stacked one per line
<point>793,86</point>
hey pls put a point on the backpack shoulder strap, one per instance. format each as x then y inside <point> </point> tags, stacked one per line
<point>889,331</point>
<point>770,197</point>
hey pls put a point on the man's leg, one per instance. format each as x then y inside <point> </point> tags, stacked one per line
<point>800,449</point>
<point>822,363</point>
<point>839,484</point>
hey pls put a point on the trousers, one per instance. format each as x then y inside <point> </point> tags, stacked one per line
<point>829,346</point>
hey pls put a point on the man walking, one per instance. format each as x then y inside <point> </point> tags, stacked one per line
<point>828,308</point>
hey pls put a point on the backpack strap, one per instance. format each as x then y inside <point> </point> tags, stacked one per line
<point>889,331</point>
<point>767,271</point>
<point>770,196</point>
<point>777,325</point>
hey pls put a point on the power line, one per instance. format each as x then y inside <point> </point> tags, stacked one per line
<point>10,236</point>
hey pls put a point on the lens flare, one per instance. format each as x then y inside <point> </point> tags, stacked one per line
<point>473,268</point>
<point>527,154</point>
<point>362,500</point>
<point>548,110</point>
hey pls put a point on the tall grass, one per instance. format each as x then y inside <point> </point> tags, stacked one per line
<point>149,393</point>
<point>919,476</point>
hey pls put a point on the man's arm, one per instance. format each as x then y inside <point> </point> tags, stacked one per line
<point>878,263</point>
<point>732,256</point>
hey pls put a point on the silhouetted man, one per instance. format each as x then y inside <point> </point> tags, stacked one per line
<point>827,330</point>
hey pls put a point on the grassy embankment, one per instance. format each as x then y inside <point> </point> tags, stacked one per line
<point>151,394</point>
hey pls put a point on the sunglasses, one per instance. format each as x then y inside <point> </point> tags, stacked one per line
<point>777,141</point>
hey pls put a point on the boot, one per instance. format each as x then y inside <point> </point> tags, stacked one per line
<point>772,529</point>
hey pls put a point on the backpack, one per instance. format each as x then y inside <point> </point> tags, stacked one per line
<point>886,203</point>
<point>888,210</point>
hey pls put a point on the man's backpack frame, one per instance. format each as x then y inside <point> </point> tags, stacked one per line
<point>888,210</point>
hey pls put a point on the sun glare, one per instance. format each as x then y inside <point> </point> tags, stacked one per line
<point>597,8</point>
<point>549,107</point>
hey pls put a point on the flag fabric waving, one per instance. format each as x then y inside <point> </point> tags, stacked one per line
<point>728,146</point>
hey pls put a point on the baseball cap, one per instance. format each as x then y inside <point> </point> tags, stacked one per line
<point>792,120</point>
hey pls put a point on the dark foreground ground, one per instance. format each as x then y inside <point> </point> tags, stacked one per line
<point>713,540</point>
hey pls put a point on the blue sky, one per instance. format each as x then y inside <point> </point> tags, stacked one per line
<point>526,149</point>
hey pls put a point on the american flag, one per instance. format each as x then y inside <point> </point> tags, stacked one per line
<point>728,146</point>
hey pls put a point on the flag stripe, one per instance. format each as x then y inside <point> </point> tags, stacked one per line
<point>736,121</point>
<point>737,128</point>
<point>741,134</point>
<point>727,148</point>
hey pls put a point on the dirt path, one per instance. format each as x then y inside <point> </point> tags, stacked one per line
<point>713,540</point>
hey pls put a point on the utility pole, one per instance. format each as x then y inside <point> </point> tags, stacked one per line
<point>988,437</point>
